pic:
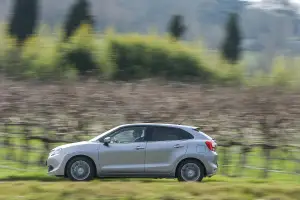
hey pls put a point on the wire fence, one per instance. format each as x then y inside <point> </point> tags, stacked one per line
<point>28,145</point>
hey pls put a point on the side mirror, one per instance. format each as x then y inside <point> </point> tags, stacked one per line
<point>107,140</point>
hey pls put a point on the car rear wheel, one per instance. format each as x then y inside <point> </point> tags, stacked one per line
<point>190,171</point>
<point>80,169</point>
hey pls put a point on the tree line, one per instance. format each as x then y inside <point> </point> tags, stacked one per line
<point>25,15</point>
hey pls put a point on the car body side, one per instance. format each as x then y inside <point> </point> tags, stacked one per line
<point>195,149</point>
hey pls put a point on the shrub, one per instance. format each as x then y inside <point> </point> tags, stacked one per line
<point>80,52</point>
<point>283,73</point>
<point>137,57</point>
<point>129,57</point>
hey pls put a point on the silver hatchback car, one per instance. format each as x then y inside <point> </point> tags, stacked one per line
<point>138,151</point>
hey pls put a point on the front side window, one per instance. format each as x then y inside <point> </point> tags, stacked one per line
<point>128,135</point>
<point>169,134</point>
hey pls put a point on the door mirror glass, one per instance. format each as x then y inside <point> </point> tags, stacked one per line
<point>107,140</point>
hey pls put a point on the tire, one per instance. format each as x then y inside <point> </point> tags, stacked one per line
<point>81,169</point>
<point>194,171</point>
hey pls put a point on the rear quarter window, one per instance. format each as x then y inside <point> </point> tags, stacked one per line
<point>202,134</point>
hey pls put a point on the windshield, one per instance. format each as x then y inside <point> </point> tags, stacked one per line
<point>95,139</point>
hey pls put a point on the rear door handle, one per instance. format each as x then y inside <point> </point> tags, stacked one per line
<point>178,146</point>
<point>139,148</point>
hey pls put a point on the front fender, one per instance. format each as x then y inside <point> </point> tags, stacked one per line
<point>93,156</point>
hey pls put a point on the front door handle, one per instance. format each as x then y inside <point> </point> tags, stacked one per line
<point>178,146</point>
<point>139,148</point>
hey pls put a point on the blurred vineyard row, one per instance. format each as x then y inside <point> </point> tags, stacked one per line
<point>269,114</point>
<point>112,56</point>
<point>35,116</point>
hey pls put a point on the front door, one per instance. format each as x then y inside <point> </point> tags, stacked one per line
<point>125,153</point>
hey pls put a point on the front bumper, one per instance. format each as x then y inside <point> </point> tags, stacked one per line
<point>56,165</point>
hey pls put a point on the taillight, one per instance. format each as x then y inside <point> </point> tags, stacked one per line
<point>210,145</point>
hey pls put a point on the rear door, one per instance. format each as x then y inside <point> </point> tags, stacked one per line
<point>165,145</point>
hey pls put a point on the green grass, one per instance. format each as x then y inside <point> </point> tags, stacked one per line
<point>17,171</point>
<point>32,183</point>
<point>210,189</point>
<point>255,159</point>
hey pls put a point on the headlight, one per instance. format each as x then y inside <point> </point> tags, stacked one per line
<point>55,152</point>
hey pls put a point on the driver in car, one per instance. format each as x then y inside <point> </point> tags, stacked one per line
<point>139,135</point>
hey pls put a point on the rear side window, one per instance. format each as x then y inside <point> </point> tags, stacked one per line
<point>202,134</point>
<point>168,134</point>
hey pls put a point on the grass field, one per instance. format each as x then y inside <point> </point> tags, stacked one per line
<point>210,189</point>
<point>255,161</point>
<point>32,182</point>
<point>14,171</point>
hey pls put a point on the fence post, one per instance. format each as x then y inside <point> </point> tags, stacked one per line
<point>297,164</point>
<point>26,137</point>
<point>243,160</point>
<point>46,149</point>
<point>225,160</point>
<point>267,155</point>
<point>10,154</point>
<point>2,145</point>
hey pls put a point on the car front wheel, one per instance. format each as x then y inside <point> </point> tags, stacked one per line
<point>80,169</point>
<point>190,171</point>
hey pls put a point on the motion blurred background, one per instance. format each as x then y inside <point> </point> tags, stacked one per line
<point>72,69</point>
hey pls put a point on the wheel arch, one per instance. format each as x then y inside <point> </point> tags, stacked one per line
<point>194,159</point>
<point>77,156</point>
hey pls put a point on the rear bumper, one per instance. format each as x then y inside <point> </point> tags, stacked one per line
<point>211,164</point>
<point>212,170</point>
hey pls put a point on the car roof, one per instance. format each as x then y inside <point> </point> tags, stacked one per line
<point>159,124</point>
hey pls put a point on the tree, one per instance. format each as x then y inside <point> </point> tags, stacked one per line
<point>176,26</point>
<point>24,19</point>
<point>78,14</point>
<point>231,46</point>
